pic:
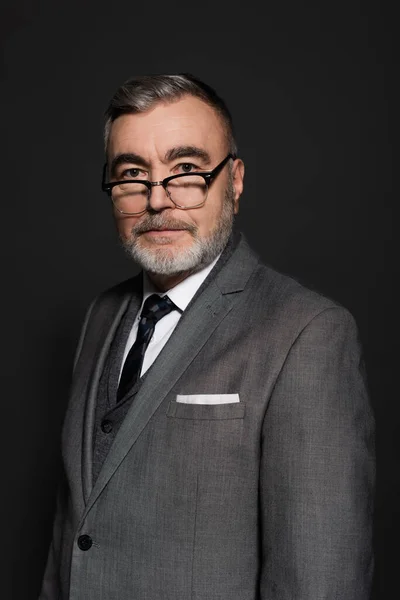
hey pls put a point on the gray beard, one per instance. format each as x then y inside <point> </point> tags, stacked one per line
<point>201,253</point>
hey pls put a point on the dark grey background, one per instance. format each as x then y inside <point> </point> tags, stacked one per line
<point>310,87</point>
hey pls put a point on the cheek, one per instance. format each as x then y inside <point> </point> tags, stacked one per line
<point>211,215</point>
<point>124,225</point>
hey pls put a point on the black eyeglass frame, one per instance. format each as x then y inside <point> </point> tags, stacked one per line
<point>208,177</point>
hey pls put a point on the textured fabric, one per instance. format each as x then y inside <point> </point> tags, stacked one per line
<point>108,411</point>
<point>154,309</point>
<point>268,498</point>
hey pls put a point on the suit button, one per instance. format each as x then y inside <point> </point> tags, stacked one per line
<point>85,542</point>
<point>106,426</point>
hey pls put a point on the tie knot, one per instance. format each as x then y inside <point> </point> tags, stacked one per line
<point>156,307</point>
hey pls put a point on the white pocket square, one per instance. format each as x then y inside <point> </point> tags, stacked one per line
<point>208,398</point>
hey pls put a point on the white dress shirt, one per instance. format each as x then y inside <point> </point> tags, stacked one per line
<point>180,295</point>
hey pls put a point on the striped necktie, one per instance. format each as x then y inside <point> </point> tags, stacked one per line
<point>154,309</point>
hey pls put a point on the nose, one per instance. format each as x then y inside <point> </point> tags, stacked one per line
<point>159,199</point>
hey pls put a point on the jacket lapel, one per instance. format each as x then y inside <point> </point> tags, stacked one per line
<point>194,329</point>
<point>80,416</point>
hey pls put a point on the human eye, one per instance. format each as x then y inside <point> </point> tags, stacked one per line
<point>187,168</point>
<point>132,173</point>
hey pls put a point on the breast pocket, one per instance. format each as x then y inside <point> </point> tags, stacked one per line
<point>210,412</point>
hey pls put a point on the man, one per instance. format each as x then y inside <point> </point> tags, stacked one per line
<point>218,443</point>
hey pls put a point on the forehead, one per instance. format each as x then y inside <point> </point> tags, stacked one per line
<point>188,121</point>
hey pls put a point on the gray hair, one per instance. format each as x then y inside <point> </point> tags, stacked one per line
<point>139,94</point>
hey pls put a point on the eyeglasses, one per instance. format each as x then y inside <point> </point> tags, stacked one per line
<point>186,190</point>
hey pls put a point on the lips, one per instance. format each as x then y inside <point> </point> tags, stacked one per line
<point>164,231</point>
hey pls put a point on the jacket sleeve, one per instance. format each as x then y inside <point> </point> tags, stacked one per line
<point>50,584</point>
<point>51,589</point>
<point>318,469</point>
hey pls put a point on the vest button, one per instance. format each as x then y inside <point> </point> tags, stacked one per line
<point>85,542</point>
<point>107,426</point>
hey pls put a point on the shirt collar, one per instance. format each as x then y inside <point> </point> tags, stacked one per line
<point>183,292</point>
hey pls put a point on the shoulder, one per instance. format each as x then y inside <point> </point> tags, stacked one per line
<point>109,303</point>
<point>105,310</point>
<point>283,298</point>
<point>116,294</point>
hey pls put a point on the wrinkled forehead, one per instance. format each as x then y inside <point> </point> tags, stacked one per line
<point>188,121</point>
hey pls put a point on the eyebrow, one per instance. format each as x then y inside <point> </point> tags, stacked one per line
<point>127,157</point>
<point>189,152</point>
<point>170,155</point>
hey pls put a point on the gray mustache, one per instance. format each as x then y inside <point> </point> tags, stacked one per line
<point>160,222</point>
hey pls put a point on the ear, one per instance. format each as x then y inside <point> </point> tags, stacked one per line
<point>237,180</point>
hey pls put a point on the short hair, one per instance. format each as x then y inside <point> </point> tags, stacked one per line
<point>139,94</point>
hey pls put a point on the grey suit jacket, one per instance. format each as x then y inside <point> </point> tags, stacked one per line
<point>266,498</point>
